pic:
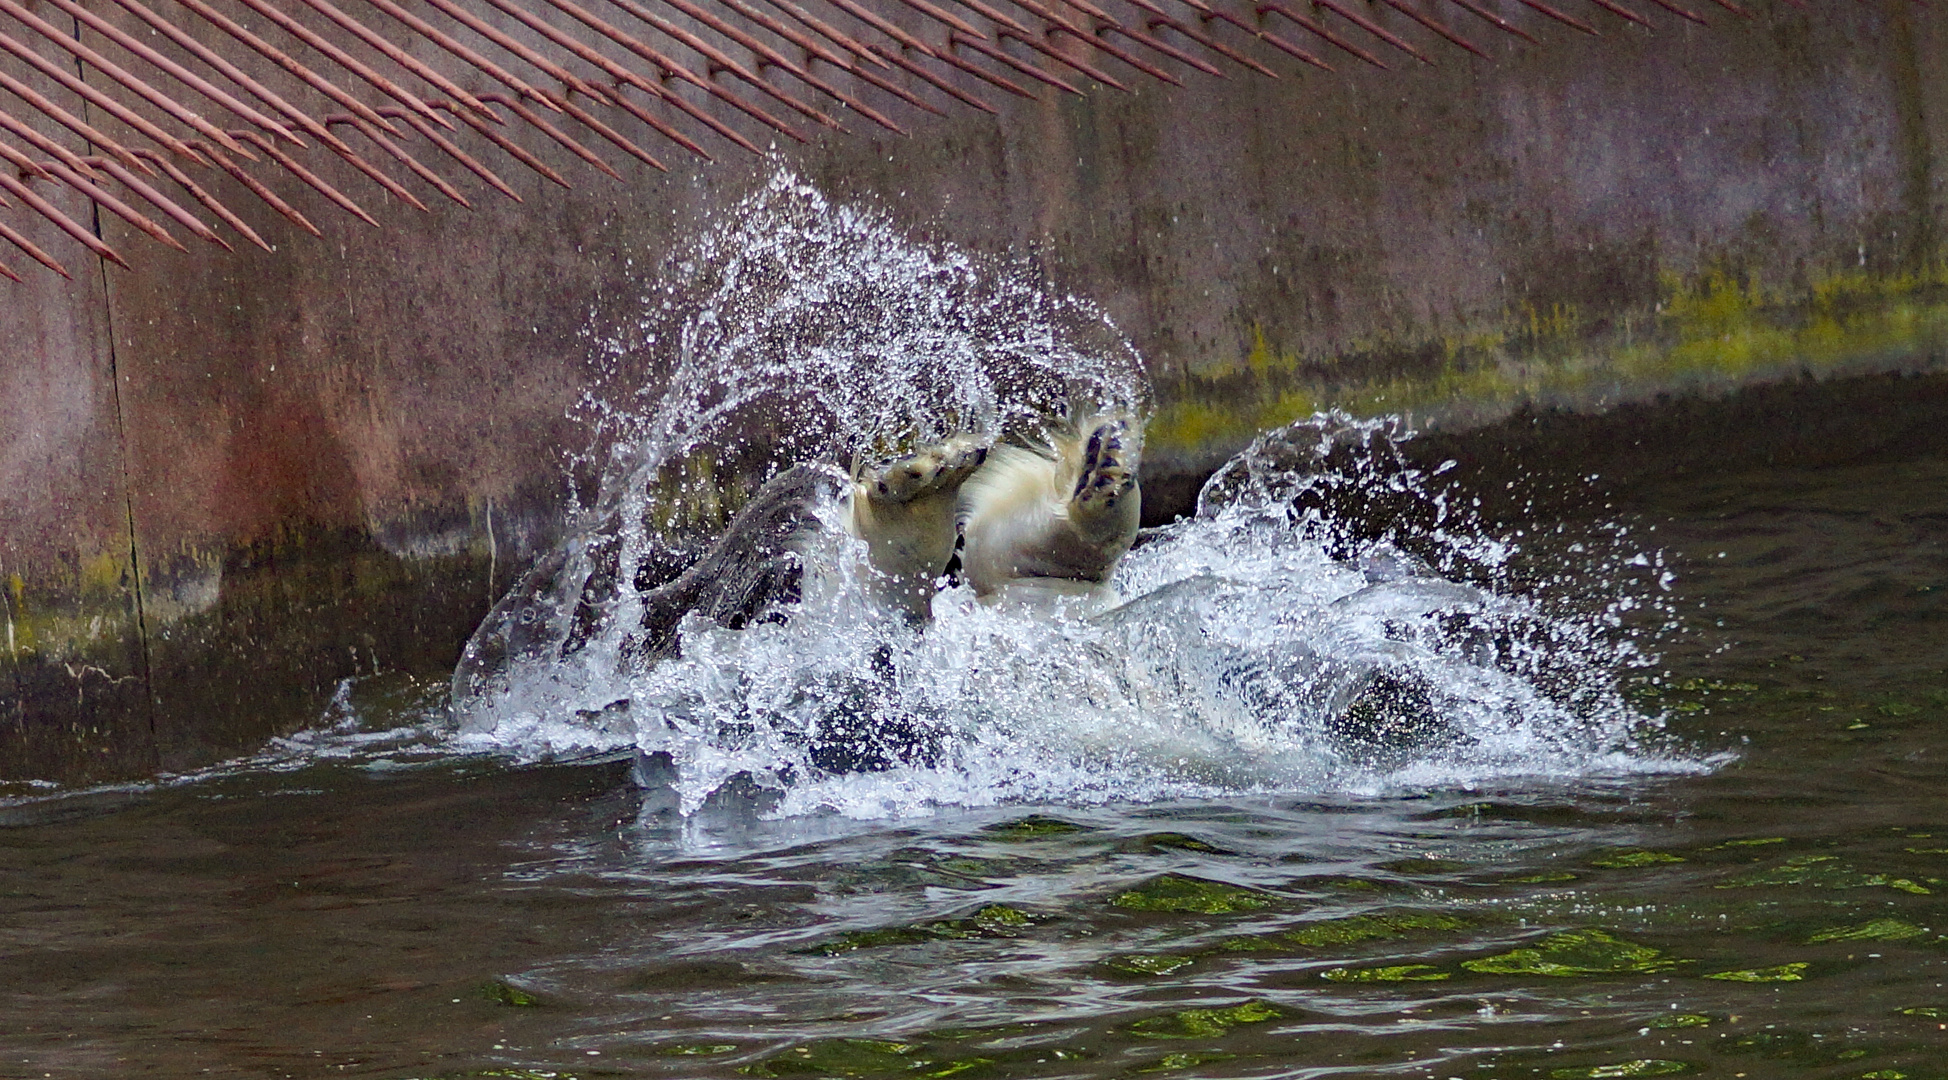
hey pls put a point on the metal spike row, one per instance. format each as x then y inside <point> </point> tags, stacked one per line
<point>696,61</point>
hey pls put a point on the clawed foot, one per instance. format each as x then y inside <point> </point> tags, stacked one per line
<point>1108,468</point>
<point>941,467</point>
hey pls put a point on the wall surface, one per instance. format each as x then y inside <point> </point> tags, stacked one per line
<point>229,480</point>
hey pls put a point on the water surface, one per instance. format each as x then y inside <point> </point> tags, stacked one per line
<point>379,905</point>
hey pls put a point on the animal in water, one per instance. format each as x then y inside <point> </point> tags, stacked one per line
<point>1041,522</point>
<point>903,509</point>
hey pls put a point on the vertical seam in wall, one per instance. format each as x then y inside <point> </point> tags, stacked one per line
<point>122,447</point>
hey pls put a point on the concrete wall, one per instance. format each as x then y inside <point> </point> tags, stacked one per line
<point>328,460</point>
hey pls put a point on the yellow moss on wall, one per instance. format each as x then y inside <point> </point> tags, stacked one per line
<point>1710,332</point>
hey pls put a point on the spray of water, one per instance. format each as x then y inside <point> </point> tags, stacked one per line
<point>1326,620</point>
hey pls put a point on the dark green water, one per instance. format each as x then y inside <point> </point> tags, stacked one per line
<point>386,914</point>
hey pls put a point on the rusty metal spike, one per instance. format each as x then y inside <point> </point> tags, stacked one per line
<point>160,201</point>
<point>372,172</point>
<point>1316,29</point>
<point>932,79</point>
<point>1435,25</point>
<point>33,250</point>
<point>529,56</point>
<point>1015,30</point>
<point>1163,18</point>
<point>717,57</point>
<point>1686,13</point>
<point>378,138</point>
<point>277,56</point>
<point>872,76</point>
<point>261,190</point>
<point>767,53</point>
<point>1143,38</point>
<point>95,97</point>
<point>114,205</point>
<point>815,50</point>
<point>115,72</point>
<point>345,60</point>
<point>1272,39</point>
<point>291,166</point>
<point>180,73</point>
<point>1118,52</point>
<point>508,146</point>
<point>1621,12</point>
<point>1741,12</point>
<point>438,37</point>
<point>196,192</point>
<point>1058,24</point>
<point>226,68</point>
<point>66,224</point>
<point>665,130</point>
<point>1022,66</point>
<point>610,134</point>
<point>830,33</point>
<point>1496,20</point>
<point>1567,20</point>
<point>947,57</point>
<point>41,142</point>
<point>447,146</point>
<point>8,273</point>
<point>623,74</point>
<point>398,56</point>
<point>26,164</point>
<point>1376,29</point>
<point>948,17</point>
<point>541,124</point>
<point>884,26</point>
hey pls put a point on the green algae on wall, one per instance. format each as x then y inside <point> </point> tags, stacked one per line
<point>1711,332</point>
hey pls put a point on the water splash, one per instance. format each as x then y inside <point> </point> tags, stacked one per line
<point>1328,619</point>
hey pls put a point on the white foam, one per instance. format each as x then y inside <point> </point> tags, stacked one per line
<point>1248,642</point>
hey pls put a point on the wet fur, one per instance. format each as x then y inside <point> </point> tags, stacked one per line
<point>903,510</point>
<point>1057,517</point>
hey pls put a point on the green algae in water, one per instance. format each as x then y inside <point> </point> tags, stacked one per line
<point>1174,893</point>
<point>504,994</point>
<point>1576,952</point>
<point>1551,878</point>
<point>840,1057</point>
<point>1205,1023</point>
<point>1187,1060</point>
<point>1926,1012</point>
<point>1624,860</point>
<point>931,1071</point>
<point>1682,1020</point>
<point>508,1074</point>
<point>1639,1067</point>
<point>1033,827</point>
<point>1000,919</point>
<point>1875,930</point>
<point>1395,973</point>
<point>1793,972</point>
<point>994,920</point>
<point>1157,843</point>
<point>696,1049</point>
<point>1354,929</point>
<point>1150,963</point>
<point>1821,872</point>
